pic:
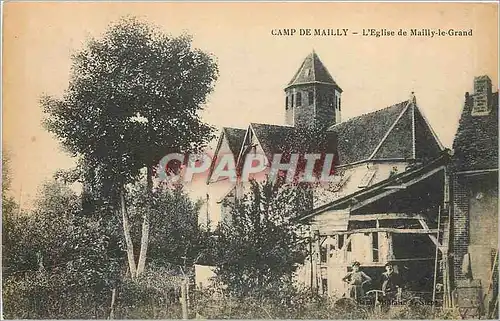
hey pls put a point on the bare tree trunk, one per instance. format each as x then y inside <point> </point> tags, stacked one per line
<point>144,244</point>
<point>128,238</point>
<point>112,306</point>
<point>145,225</point>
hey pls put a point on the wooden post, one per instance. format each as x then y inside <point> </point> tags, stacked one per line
<point>446,276</point>
<point>184,299</point>
<point>390,246</point>
<point>311,259</point>
<point>436,263</point>
<point>318,264</point>
<point>314,261</point>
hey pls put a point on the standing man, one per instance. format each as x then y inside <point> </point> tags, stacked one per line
<point>356,279</point>
<point>391,283</point>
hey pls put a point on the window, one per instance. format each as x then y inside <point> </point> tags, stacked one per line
<point>299,99</point>
<point>323,253</point>
<point>375,246</point>
<point>341,241</point>
<point>286,103</point>
<point>339,104</point>
<point>311,98</point>
<point>292,101</point>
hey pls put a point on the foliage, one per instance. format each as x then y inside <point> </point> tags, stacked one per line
<point>262,245</point>
<point>290,303</point>
<point>133,97</point>
<point>152,295</point>
<point>10,221</point>
<point>59,257</point>
<point>175,238</point>
<point>63,264</point>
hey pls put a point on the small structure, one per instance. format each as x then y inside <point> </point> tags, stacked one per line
<point>397,219</point>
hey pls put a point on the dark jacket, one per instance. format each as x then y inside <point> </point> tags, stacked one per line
<point>390,282</point>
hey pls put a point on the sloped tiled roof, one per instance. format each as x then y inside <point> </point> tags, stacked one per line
<point>312,70</point>
<point>398,143</point>
<point>358,137</point>
<point>427,147</point>
<point>405,177</point>
<point>396,132</point>
<point>476,142</point>
<point>235,137</point>
<point>275,139</point>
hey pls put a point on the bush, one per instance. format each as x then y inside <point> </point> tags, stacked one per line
<point>290,303</point>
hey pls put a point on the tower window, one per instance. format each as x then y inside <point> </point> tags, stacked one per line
<point>299,99</point>
<point>292,101</point>
<point>311,98</point>
<point>286,103</point>
<point>330,101</point>
<point>339,104</point>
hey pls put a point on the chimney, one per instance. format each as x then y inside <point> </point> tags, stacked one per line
<point>482,96</point>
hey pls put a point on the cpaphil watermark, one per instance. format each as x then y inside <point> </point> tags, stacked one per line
<point>293,167</point>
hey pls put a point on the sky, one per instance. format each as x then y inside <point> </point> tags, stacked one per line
<point>254,65</point>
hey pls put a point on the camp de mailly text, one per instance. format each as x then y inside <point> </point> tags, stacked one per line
<point>372,32</point>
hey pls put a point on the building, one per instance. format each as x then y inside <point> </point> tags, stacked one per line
<point>474,175</point>
<point>391,198</point>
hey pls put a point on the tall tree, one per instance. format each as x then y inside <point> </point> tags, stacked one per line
<point>176,239</point>
<point>134,96</point>
<point>262,245</point>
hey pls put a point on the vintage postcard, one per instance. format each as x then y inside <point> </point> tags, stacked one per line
<point>249,160</point>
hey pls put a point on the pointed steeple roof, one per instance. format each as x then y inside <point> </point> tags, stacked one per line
<point>312,70</point>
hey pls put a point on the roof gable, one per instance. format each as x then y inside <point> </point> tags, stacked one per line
<point>399,141</point>
<point>353,143</point>
<point>396,132</point>
<point>235,137</point>
<point>230,140</point>
<point>427,145</point>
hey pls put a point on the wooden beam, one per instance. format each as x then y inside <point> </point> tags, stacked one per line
<point>396,187</point>
<point>480,171</point>
<point>383,229</point>
<point>385,216</point>
<point>432,237</point>
<point>319,280</point>
<point>315,259</point>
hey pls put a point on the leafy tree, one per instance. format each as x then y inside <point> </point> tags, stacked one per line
<point>61,263</point>
<point>176,239</point>
<point>134,96</point>
<point>11,222</point>
<point>262,245</point>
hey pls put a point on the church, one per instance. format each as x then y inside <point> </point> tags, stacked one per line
<point>390,201</point>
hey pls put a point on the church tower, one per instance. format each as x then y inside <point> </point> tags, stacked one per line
<point>312,96</point>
